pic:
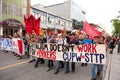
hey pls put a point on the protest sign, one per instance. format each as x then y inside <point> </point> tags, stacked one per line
<point>94,54</point>
<point>16,45</point>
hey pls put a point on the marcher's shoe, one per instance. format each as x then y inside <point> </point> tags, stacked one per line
<point>17,56</point>
<point>42,62</point>
<point>31,61</point>
<point>56,72</point>
<point>93,79</point>
<point>98,73</point>
<point>6,51</point>
<point>66,72</point>
<point>62,66</point>
<point>73,70</point>
<point>52,65</point>
<point>35,66</point>
<point>48,69</point>
<point>82,64</point>
<point>85,64</point>
<point>20,58</point>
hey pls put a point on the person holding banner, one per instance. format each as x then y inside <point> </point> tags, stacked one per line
<point>40,41</point>
<point>62,41</point>
<point>51,39</point>
<point>97,40</point>
<point>73,40</point>
<point>15,39</point>
<point>86,40</point>
<point>32,43</point>
<point>25,41</point>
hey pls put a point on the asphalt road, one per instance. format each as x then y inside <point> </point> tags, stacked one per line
<point>13,69</point>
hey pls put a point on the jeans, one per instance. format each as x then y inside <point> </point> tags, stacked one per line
<point>60,64</point>
<point>72,66</point>
<point>39,60</point>
<point>50,63</point>
<point>67,67</point>
<point>94,66</point>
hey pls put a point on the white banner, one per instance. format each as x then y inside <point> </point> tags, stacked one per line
<point>94,54</point>
<point>16,45</point>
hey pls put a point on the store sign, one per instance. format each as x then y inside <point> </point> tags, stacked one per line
<point>11,22</point>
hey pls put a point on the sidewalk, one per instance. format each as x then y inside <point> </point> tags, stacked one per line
<point>113,68</point>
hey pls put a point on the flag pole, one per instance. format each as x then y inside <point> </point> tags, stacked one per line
<point>28,8</point>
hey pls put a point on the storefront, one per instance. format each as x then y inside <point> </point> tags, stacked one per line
<point>10,26</point>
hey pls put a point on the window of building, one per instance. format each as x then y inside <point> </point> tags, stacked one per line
<point>56,21</point>
<point>61,22</point>
<point>42,18</point>
<point>49,21</point>
<point>10,9</point>
<point>45,18</point>
<point>23,11</point>
<point>4,7</point>
<point>20,12</point>
<point>16,10</point>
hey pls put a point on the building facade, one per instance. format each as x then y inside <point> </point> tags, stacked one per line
<point>50,20</point>
<point>70,10</point>
<point>11,18</point>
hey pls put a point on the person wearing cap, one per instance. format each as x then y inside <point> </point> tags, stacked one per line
<point>73,39</point>
<point>97,40</point>
<point>86,40</point>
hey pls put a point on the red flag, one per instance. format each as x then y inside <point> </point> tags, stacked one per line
<point>28,24</point>
<point>32,24</point>
<point>88,29</point>
<point>36,26</point>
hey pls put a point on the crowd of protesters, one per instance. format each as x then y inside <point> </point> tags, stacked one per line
<point>64,38</point>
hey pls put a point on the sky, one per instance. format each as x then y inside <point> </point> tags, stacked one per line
<point>97,11</point>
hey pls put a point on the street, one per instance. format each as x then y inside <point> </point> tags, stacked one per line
<point>13,69</point>
<point>26,71</point>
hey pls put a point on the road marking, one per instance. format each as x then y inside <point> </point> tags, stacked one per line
<point>12,65</point>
